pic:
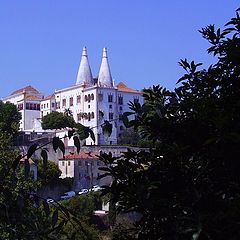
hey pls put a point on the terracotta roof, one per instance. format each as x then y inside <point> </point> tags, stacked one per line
<point>82,155</point>
<point>25,89</point>
<point>33,98</point>
<point>122,87</point>
<point>49,97</point>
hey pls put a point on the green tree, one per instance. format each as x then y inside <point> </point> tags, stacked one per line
<point>51,174</point>
<point>82,208</point>
<point>187,187</point>
<point>9,118</point>
<point>57,120</point>
<point>129,136</point>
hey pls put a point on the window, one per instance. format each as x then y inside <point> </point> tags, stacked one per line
<point>98,163</point>
<point>78,99</point>
<point>110,106</point>
<point>79,176</point>
<point>100,97</point>
<point>89,106</point>
<point>110,97</point>
<point>89,98</point>
<point>38,107</point>
<point>69,163</point>
<point>92,96</point>
<point>53,105</point>
<point>57,105</point>
<point>120,100</point>
<point>20,106</point>
<point>92,114</point>
<point>110,116</point>
<point>120,108</point>
<point>27,106</point>
<point>79,116</point>
<point>120,117</point>
<point>86,98</point>
<point>62,163</point>
<point>89,116</point>
<point>47,105</point>
<point>71,101</point>
<point>44,105</point>
<point>41,106</point>
<point>64,102</point>
<point>79,163</point>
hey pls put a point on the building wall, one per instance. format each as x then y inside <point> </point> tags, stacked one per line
<point>84,171</point>
<point>22,103</point>
<point>47,106</point>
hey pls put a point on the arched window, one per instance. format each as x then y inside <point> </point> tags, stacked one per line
<point>92,114</point>
<point>92,96</point>
<point>86,98</point>
<point>89,98</point>
<point>89,116</point>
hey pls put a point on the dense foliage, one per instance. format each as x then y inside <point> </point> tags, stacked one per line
<point>82,208</point>
<point>9,118</point>
<point>50,175</point>
<point>187,186</point>
<point>57,120</point>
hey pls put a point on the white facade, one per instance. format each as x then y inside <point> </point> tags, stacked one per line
<point>27,101</point>
<point>90,100</point>
<point>48,105</point>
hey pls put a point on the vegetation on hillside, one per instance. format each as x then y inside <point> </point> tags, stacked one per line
<point>187,186</point>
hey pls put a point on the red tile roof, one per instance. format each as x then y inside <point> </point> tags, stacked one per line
<point>33,98</point>
<point>82,155</point>
<point>50,97</point>
<point>122,87</point>
<point>25,89</point>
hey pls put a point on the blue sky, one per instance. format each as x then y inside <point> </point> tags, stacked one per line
<point>41,41</point>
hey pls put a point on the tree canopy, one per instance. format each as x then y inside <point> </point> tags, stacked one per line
<point>9,118</point>
<point>187,186</point>
<point>57,120</point>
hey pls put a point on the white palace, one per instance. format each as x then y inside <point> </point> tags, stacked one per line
<point>91,101</point>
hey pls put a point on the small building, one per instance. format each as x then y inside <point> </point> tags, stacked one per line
<point>27,100</point>
<point>84,168</point>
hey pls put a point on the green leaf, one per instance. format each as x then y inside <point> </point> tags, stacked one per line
<point>55,217</point>
<point>44,156</point>
<point>76,143</point>
<point>92,135</point>
<point>26,168</point>
<point>61,146</point>
<point>46,207</point>
<point>83,133</point>
<point>31,150</point>
<point>125,118</point>
<point>70,133</point>
<point>107,128</point>
<point>55,143</point>
<point>16,162</point>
